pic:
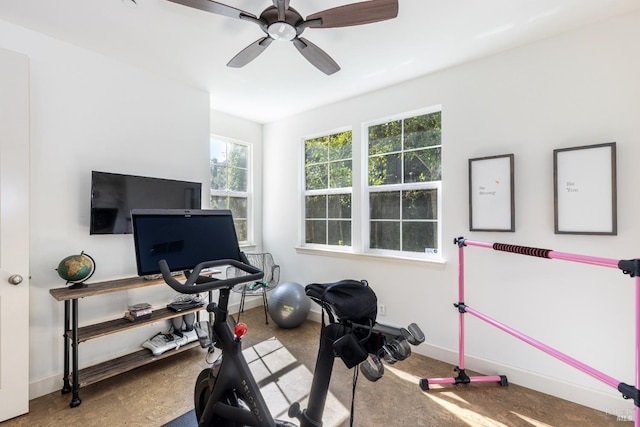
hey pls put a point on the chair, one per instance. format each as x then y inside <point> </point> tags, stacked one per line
<point>263,261</point>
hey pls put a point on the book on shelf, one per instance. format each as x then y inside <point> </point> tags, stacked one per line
<point>138,312</point>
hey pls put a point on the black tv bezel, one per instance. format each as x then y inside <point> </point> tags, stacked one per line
<point>204,240</point>
<point>93,230</point>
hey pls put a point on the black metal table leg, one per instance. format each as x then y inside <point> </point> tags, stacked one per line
<point>75,400</point>
<point>66,386</point>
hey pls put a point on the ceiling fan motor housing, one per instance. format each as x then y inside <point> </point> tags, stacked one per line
<point>281,29</point>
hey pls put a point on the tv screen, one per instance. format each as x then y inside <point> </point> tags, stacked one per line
<point>184,238</point>
<point>113,196</point>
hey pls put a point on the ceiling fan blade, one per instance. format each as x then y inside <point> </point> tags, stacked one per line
<point>364,12</point>
<point>214,7</point>
<point>250,53</point>
<point>316,56</point>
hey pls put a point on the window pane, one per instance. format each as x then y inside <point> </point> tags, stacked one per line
<point>340,174</point>
<point>385,235</point>
<point>238,207</point>
<point>340,146</point>
<point>422,165</point>
<point>229,165</point>
<point>385,138</point>
<point>315,207</point>
<point>420,204</point>
<point>339,233</point>
<point>315,150</point>
<point>385,169</point>
<point>241,229</point>
<point>218,176</point>
<point>238,155</point>
<point>219,202</point>
<point>237,179</point>
<point>316,231</point>
<point>339,206</point>
<point>418,236</point>
<point>422,131</point>
<point>218,150</point>
<point>316,177</point>
<point>384,205</point>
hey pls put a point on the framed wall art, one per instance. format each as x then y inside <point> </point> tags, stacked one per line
<point>584,184</point>
<point>491,193</point>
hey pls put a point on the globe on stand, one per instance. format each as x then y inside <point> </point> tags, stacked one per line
<point>76,269</point>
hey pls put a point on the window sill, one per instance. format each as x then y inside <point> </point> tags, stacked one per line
<point>377,257</point>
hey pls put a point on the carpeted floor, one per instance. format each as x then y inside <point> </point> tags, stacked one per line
<point>162,392</point>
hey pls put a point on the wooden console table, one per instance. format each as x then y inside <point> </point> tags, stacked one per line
<point>74,335</point>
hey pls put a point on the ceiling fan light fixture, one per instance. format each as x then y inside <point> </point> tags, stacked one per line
<point>282,31</point>
<point>282,22</point>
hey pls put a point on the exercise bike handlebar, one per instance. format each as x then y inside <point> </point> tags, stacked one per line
<point>196,283</point>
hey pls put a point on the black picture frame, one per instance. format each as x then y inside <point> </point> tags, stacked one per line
<point>492,193</point>
<point>585,190</point>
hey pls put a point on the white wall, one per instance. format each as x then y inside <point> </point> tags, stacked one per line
<point>88,113</point>
<point>577,89</point>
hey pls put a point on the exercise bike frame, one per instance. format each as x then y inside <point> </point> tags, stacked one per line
<point>233,375</point>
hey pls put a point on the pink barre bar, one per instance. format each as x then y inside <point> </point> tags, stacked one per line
<point>549,350</point>
<point>461,299</point>
<point>585,259</point>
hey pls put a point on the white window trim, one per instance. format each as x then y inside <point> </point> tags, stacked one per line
<point>329,191</point>
<point>365,226</point>
<point>249,193</point>
<point>360,190</point>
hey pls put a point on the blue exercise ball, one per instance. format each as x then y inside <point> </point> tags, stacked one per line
<point>289,305</point>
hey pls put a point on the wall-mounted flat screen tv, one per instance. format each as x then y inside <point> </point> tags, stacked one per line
<point>113,196</point>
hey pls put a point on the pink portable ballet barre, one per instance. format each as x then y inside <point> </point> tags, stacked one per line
<point>630,267</point>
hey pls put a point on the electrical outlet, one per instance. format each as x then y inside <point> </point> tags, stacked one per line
<point>382,309</point>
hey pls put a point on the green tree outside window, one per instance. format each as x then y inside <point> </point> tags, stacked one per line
<point>229,166</point>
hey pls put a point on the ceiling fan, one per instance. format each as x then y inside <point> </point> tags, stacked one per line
<point>282,22</point>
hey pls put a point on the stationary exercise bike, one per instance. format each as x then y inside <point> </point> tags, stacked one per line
<point>227,395</point>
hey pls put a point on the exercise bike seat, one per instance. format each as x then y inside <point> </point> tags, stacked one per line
<point>351,300</point>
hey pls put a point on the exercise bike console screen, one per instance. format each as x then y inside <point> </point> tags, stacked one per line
<point>184,238</point>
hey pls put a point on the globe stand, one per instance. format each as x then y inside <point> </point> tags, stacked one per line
<point>76,280</point>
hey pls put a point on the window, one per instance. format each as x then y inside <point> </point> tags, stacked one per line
<point>230,166</point>
<point>404,174</point>
<point>327,196</point>
<point>392,205</point>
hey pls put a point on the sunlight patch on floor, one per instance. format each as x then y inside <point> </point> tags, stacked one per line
<point>287,381</point>
<point>416,380</point>
<point>531,421</point>
<point>465,415</point>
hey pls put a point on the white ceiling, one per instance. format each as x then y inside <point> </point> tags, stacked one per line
<point>193,46</point>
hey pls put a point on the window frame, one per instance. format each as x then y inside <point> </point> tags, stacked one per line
<point>325,192</point>
<point>360,192</point>
<point>248,194</point>
<point>367,189</point>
